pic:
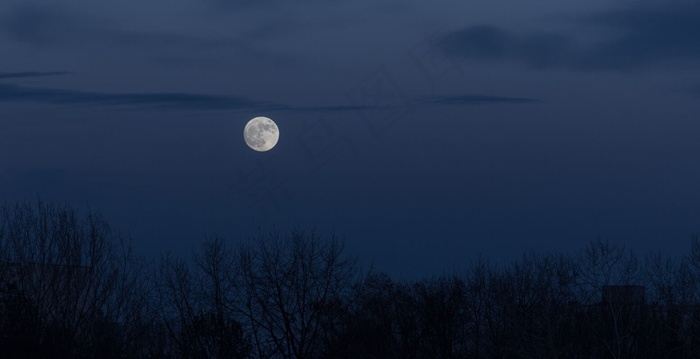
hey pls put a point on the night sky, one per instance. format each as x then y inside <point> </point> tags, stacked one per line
<point>424,134</point>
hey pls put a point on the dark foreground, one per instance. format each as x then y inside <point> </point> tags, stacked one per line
<point>71,287</point>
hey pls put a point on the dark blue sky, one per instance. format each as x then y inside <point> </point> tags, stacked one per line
<point>425,135</point>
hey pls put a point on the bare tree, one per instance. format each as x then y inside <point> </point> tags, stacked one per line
<point>378,322</point>
<point>78,280</point>
<point>195,304</point>
<point>532,308</point>
<point>616,322</point>
<point>290,289</point>
<point>478,282</point>
<point>217,286</point>
<point>443,317</point>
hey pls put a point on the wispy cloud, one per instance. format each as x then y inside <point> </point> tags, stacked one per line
<point>463,100</point>
<point>48,26</point>
<point>663,35</point>
<point>16,93</point>
<point>26,74</point>
<point>164,100</point>
<point>490,43</point>
<point>179,100</point>
<point>337,108</point>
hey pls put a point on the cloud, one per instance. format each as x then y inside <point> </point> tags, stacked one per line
<point>489,43</point>
<point>164,100</point>
<point>50,27</point>
<point>42,26</point>
<point>16,93</point>
<point>661,35</point>
<point>338,108</point>
<point>26,74</point>
<point>476,100</point>
<point>46,26</point>
<point>232,5</point>
<point>175,100</point>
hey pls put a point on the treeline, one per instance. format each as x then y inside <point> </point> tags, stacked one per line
<point>71,287</point>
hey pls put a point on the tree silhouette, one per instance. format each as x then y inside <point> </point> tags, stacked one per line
<point>72,280</point>
<point>195,305</point>
<point>290,288</point>
<point>71,287</point>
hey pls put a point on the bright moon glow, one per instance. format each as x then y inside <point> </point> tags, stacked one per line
<point>261,134</point>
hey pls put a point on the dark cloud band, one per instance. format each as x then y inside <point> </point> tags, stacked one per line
<point>26,74</point>
<point>16,93</point>
<point>476,100</point>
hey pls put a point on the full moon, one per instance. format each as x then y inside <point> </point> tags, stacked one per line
<point>261,134</point>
